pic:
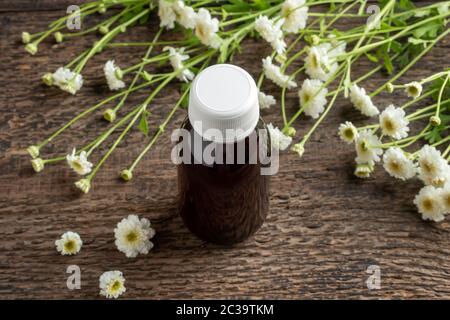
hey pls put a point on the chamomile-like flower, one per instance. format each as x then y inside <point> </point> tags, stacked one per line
<point>185,15</point>
<point>433,168</point>
<point>112,284</point>
<point>429,204</point>
<point>393,122</point>
<point>133,236</point>
<point>176,58</point>
<point>413,89</point>
<point>362,102</point>
<point>206,29</point>
<point>275,74</point>
<point>67,80</point>
<point>295,13</point>
<point>113,75</point>
<point>69,244</point>
<point>348,132</point>
<point>166,13</point>
<point>313,97</point>
<point>398,165</point>
<point>79,163</point>
<point>278,139</point>
<point>368,147</point>
<point>271,32</point>
<point>363,170</point>
<point>265,100</point>
<point>320,63</point>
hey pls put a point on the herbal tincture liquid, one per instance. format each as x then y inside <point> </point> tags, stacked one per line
<point>223,191</point>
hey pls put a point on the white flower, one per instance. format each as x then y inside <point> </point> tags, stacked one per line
<point>295,13</point>
<point>265,100</point>
<point>206,29</point>
<point>348,132</point>
<point>362,101</point>
<point>363,170</point>
<point>398,165</point>
<point>67,80</point>
<point>113,76</point>
<point>79,163</point>
<point>367,148</point>
<point>278,139</point>
<point>69,244</point>
<point>166,13</point>
<point>320,62</point>
<point>413,89</point>
<point>445,198</point>
<point>185,15</point>
<point>133,236</point>
<point>176,57</point>
<point>274,73</point>
<point>313,97</point>
<point>271,32</point>
<point>394,123</point>
<point>112,284</point>
<point>433,168</point>
<point>429,204</point>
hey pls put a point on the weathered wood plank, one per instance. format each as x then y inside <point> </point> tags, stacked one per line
<point>324,229</point>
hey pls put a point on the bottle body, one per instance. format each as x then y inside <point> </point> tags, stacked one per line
<point>224,203</point>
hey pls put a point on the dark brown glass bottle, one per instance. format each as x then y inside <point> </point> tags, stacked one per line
<point>224,203</point>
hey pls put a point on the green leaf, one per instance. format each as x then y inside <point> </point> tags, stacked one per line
<point>372,58</point>
<point>143,124</point>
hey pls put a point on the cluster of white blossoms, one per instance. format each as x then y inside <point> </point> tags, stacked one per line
<point>176,58</point>
<point>279,141</point>
<point>66,80</point>
<point>79,162</point>
<point>204,25</point>
<point>274,73</point>
<point>69,244</point>
<point>133,236</point>
<point>113,75</point>
<point>112,284</point>
<point>270,30</point>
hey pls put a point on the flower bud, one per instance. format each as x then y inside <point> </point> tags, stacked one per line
<point>109,115</point>
<point>84,185</point>
<point>290,131</point>
<point>26,37</point>
<point>31,48</point>
<point>299,149</point>
<point>435,121</point>
<point>37,164</point>
<point>58,37</point>
<point>103,29</point>
<point>33,151</point>
<point>126,175</point>
<point>315,40</point>
<point>48,79</point>
<point>390,87</point>
<point>101,8</point>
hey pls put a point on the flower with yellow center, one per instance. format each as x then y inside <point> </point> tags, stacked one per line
<point>413,89</point>
<point>445,198</point>
<point>79,163</point>
<point>112,284</point>
<point>368,148</point>
<point>394,123</point>
<point>433,168</point>
<point>133,236</point>
<point>348,132</point>
<point>429,204</point>
<point>398,165</point>
<point>69,244</point>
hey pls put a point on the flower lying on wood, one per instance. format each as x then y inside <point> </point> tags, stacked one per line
<point>113,76</point>
<point>69,244</point>
<point>112,284</point>
<point>133,236</point>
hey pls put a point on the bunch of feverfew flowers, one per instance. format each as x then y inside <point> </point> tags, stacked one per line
<point>310,55</point>
<point>132,237</point>
<point>405,156</point>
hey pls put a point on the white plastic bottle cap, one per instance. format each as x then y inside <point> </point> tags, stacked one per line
<point>223,103</point>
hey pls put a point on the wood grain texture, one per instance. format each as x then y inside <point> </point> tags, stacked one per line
<point>325,227</point>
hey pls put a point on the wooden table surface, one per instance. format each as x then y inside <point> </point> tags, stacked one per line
<point>324,229</point>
